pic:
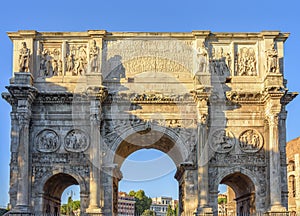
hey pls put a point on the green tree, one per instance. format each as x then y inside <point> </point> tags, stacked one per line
<point>148,212</point>
<point>67,209</point>
<point>142,202</point>
<point>175,211</point>
<point>222,200</point>
<point>170,211</point>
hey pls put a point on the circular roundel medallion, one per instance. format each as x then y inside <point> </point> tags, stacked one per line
<point>47,141</point>
<point>76,141</point>
<point>222,141</point>
<point>250,141</point>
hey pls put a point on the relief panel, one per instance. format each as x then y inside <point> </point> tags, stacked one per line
<point>50,60</point>
<point>245,61</point>
<point>47,141</point>
<point>76,141</point>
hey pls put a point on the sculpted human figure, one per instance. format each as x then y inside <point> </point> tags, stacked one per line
<point>94,52</point>
<point>24,56</point>
<point>70,62</point>
<point>203,58</point>
<point>272,59</point>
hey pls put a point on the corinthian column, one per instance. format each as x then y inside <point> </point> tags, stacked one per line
<point>24,94</point>
<point>23,163</point>
<point>202,153</point>
<point>275,167</point>
<point>97,95</point>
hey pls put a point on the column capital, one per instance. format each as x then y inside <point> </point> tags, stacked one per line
<point>97,92</point>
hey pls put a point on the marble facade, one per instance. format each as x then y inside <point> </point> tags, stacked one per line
<point>82,102</point>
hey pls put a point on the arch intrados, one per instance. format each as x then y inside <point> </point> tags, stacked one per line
<point>56,184</point>
<point>153,139</point>
<point>240,183</point>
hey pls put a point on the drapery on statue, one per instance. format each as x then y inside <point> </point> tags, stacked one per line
<point>24,58</point>
<point>94,52</point>
<point>272,59</point>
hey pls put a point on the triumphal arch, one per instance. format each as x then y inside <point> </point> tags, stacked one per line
<point>82,102</point>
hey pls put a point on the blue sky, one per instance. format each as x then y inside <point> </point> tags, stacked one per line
<point>154,15</point>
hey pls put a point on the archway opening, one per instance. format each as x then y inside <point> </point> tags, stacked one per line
<point>153,172</point>
<point>240,195</point>
<point>153,157</point>
<point>57,190</point>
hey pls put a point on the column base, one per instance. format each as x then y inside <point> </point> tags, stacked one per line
<point>204,210</point>
<point>277,210</point>
<point>94,211</point>
<point>21,210</point>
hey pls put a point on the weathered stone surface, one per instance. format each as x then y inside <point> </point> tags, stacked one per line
<point>83,101</point>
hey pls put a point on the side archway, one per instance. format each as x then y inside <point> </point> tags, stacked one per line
<point>243,191</point>
<point>52,187</point>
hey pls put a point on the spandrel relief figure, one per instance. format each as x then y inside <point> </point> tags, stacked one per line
<point>272,59</point>
<point>94,53</point>
<point>24,56</point>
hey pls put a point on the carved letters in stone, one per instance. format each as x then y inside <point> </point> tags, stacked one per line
<point>222,141</point>
<point>250,141</point>
<point>246,62</point>
<point>76,141</point>
<point>47,141</point>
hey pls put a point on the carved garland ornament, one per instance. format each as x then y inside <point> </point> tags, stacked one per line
<point>250,141</point>
<point>76,141</point>
<point>47,141</point>
<point>222,141</point>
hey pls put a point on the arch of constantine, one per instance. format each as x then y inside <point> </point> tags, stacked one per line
<point>82,102</point>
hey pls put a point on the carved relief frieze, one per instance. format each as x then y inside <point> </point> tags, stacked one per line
<point>254,159</point>
<point>76,141</point>
<point>222,141</point>
<point>76,60</point>
<point>137,98</point>
<point>47,141</point>
<point>38,172</point>
<point>50,58</point>
<point>250,141</point>
<point>246,60</point>
<point>138,55</point>
<point>39,158</point>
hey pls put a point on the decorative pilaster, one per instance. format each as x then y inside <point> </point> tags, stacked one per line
<point>96,95</point>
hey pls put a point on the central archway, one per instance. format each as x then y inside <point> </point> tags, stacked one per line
<point>162,139</point>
